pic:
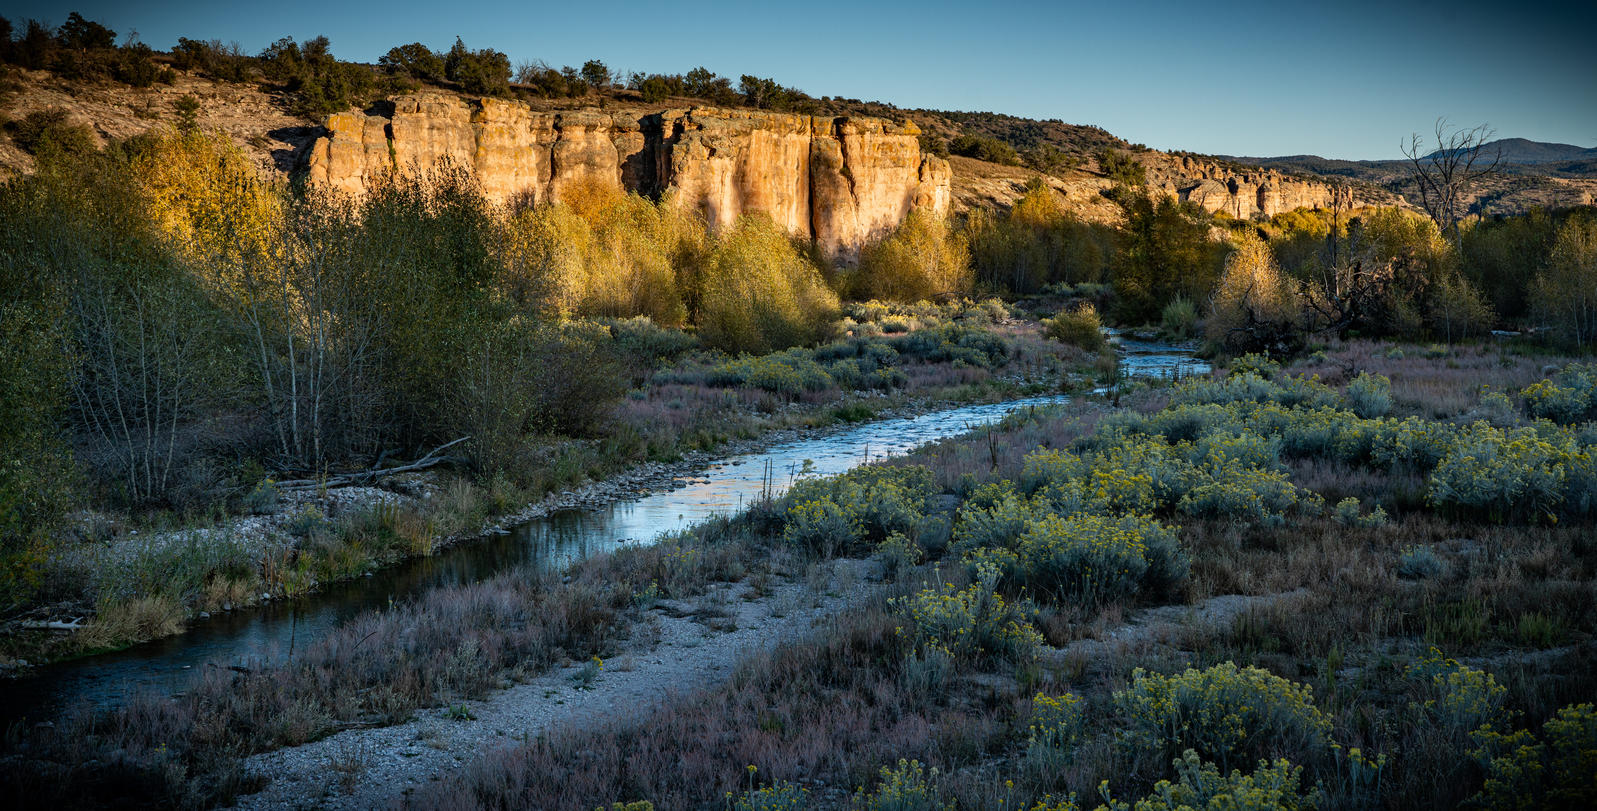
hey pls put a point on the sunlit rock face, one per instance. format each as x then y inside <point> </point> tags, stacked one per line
<point>1240,194</point>
<point>839,181</point>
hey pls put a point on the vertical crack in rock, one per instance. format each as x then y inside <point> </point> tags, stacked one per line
<point>838,181</point>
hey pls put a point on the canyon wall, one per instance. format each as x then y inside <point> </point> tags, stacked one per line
<point>1245,193</point>
<point>840,181</point>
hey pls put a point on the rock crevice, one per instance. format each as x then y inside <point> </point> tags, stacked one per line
<point>839,181</point>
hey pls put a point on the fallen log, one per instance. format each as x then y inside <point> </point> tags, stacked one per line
<point>52,625</point>
<point>432,459</point>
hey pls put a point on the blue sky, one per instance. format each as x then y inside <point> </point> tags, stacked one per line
<point>1344,80</point>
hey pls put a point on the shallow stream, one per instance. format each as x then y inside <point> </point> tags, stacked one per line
<point>722,488</point>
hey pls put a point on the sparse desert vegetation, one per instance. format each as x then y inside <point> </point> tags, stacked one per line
<point>1350,562</point>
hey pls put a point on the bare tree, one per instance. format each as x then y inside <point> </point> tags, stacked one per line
<point>1445,175</point>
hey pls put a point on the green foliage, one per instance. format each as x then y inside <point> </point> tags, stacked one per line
<point>791,372</point>
<point>1564,292</point>
<point>1122,168</point>
<point>779,796</point>
<point>984,148</point>
<point>766,94</point>
<point>1077,327</point>
<point>922,258</point>
<point>1569,397</point>
<point>50,133</point>
<point>484,72</point>
<point>867,505</point>
<point>1457,698</point>
<point>1554,770</point>
<point>1225,713</point>
<point>415,60</point>
<point>1201,787</point>
<point>1254,307</point>
<point>1057,724</point>
<point>907,787</point>
<point>222,62</point>
<point>1501,475</point>
<point>1090,558</point>
<point>1179,318</point>
<point>1370,395</point>
<point>973,624</point>
<point>321,82</point>
<point>1165,251</point>
<point>757,293</point>
<point>1036,244</point>
<point>1417,563</point>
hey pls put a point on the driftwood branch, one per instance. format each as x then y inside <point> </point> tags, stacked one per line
<point>432,459</point>
<point>52,625</point>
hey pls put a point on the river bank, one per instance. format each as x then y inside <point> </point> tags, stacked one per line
<point>130,584</point>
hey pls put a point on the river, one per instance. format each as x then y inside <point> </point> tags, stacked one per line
<point>260,635</point>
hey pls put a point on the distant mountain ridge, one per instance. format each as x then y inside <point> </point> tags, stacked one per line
<point>1513,150</point>
<point>1531,173</point>
<point>1522,150</point>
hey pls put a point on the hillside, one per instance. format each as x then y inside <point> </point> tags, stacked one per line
<point>1531,173</point>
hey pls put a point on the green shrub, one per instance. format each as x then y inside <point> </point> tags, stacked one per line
<point>779,796</point>
<point>1347,514</point>
<point>908,787</point>
<point>1094,559</point>
<point>833,515</point>
<point>1457,698</point>
<point>993,516</point>
<point>1225,713</point>
<point>1554,771</point>
<point>1079,327</point>
<point>922,258</point>
<point>973,624</point>
<point>1179,318</point>
<point>756,293</point>
<point>791,372</point>
<point>1568,398</point>
<point>1057,725</point>
<point>1370,396</point>
<point>1501,476</point>
<point>899,554</point>
<point>1201,787</point>
<point>1241,492</point>
<point>1417,563</point>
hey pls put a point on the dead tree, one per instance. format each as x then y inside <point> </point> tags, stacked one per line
<point>1445,176</point>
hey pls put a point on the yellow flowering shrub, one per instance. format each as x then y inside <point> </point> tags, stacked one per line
<point>906,787</point>
<point>1096,559</point>
<point>994,516</point>
<point>1057,724</point>
<point>1226,713</point>
<point>1569,397</point>
<point>970,624</point>
<point>1201,787</point>
<point>1557,771</point>
<point>1242,492</point>
<point>1459,698</point>
<point>1501,475</point>
<point>779,796</point>
<point>833,515</point>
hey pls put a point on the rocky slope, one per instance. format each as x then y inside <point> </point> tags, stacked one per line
<point>840,181</point>
<point>1245,193</point>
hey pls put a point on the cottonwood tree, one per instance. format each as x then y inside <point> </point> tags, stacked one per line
<point>1445,175</point>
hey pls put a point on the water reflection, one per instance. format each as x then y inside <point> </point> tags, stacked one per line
<point>248,638</point>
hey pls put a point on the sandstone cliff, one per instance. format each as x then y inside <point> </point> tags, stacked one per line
<point>1244,193</point>
<point>840,181</point>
